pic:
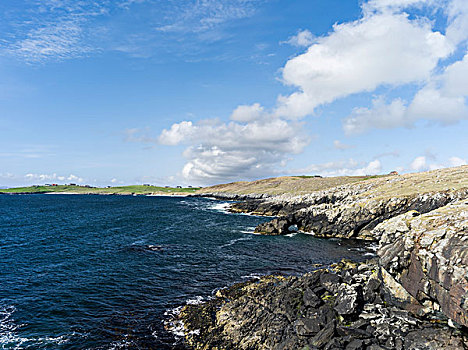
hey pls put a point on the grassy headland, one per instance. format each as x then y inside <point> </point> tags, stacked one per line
<point>294,185</point>
<point>376,186</point>
<point>121,190</point>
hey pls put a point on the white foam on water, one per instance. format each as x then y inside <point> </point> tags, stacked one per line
<point>309,233</point>
<point>10,339</point>
<point>234,241</point>
<point>221,207</point>
<point>292,234</point>
<point>8,336</point>
<point>195,301</point>
<point>252,276</point>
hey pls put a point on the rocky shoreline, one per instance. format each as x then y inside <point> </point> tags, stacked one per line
<point>344,306</point>
<point>413,295</point>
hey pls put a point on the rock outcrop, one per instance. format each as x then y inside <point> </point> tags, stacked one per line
<point>355,217</point>
<point>344,307</point>
<point>428,256</point>
<point>413,295</point>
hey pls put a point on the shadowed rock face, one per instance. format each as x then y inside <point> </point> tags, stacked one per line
<point>428,255</point>
<point>341,308</point>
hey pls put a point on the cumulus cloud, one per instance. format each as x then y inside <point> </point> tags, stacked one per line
<point>386,48</point>
<point>456,161</point>
<point>418,164</point>
<point>381,116</point>
<point>359,56</point>
<point>348,167</point>
<point>423,163</point>
<point>303,38</point>
<point>247,113</point>
<point>457,13</point>
<point>220,151</point>
<point>442,99</point>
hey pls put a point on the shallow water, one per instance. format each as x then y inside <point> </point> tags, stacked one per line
<point>101,272</point>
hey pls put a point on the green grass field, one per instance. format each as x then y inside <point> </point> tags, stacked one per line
<point>135,189</point>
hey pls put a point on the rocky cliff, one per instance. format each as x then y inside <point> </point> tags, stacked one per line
<point>413,295</point>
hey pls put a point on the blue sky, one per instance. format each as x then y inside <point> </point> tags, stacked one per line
<point>209,91</point>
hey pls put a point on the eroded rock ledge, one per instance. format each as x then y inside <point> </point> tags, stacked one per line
<point>413,295</point>
<point>345,307</point>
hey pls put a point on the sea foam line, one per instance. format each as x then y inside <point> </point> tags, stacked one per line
<point>235,240</point>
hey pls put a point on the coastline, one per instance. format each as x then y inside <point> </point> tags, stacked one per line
<point>420,224</point>
<point>176,194</point>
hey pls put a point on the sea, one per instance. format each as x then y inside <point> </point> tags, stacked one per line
<point>108,272</point>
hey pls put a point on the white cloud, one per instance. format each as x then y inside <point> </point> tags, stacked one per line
<point>303,38</point>
<point>386,48</point>
<point>442,99</point>
<point>51,30</point>
<point>177,133</point>
<point>431,104</point>
<point>247,113</point>
<point>341,146</point>
<point>457,12</point>
<point>348,167</point>
<point>203,15</point>
<point>360,56</point>
<point>60,40</point>
<point>220,151</point>
<point>456,161</point>
<point>419,164</point>
<point>52,177</point>
<point>381,116</point>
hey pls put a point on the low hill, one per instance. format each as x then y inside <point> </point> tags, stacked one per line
<point>295,185</point>
<point>375,186</point>
<point>121,190</point>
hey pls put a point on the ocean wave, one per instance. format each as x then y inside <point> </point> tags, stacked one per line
<point>195,301</point>
<point>221,207</point>
<point>292,234</point>
<point>256,276</point>
<point>10,339</point>
<point>235,240</point>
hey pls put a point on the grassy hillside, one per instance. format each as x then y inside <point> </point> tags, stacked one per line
<point>295,185</point>
<point>376,186</point>
<point>136,189</point>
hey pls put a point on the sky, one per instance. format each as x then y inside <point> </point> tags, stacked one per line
<point>199,92</point>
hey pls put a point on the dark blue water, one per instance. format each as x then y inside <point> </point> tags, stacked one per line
<point>78,272</point>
